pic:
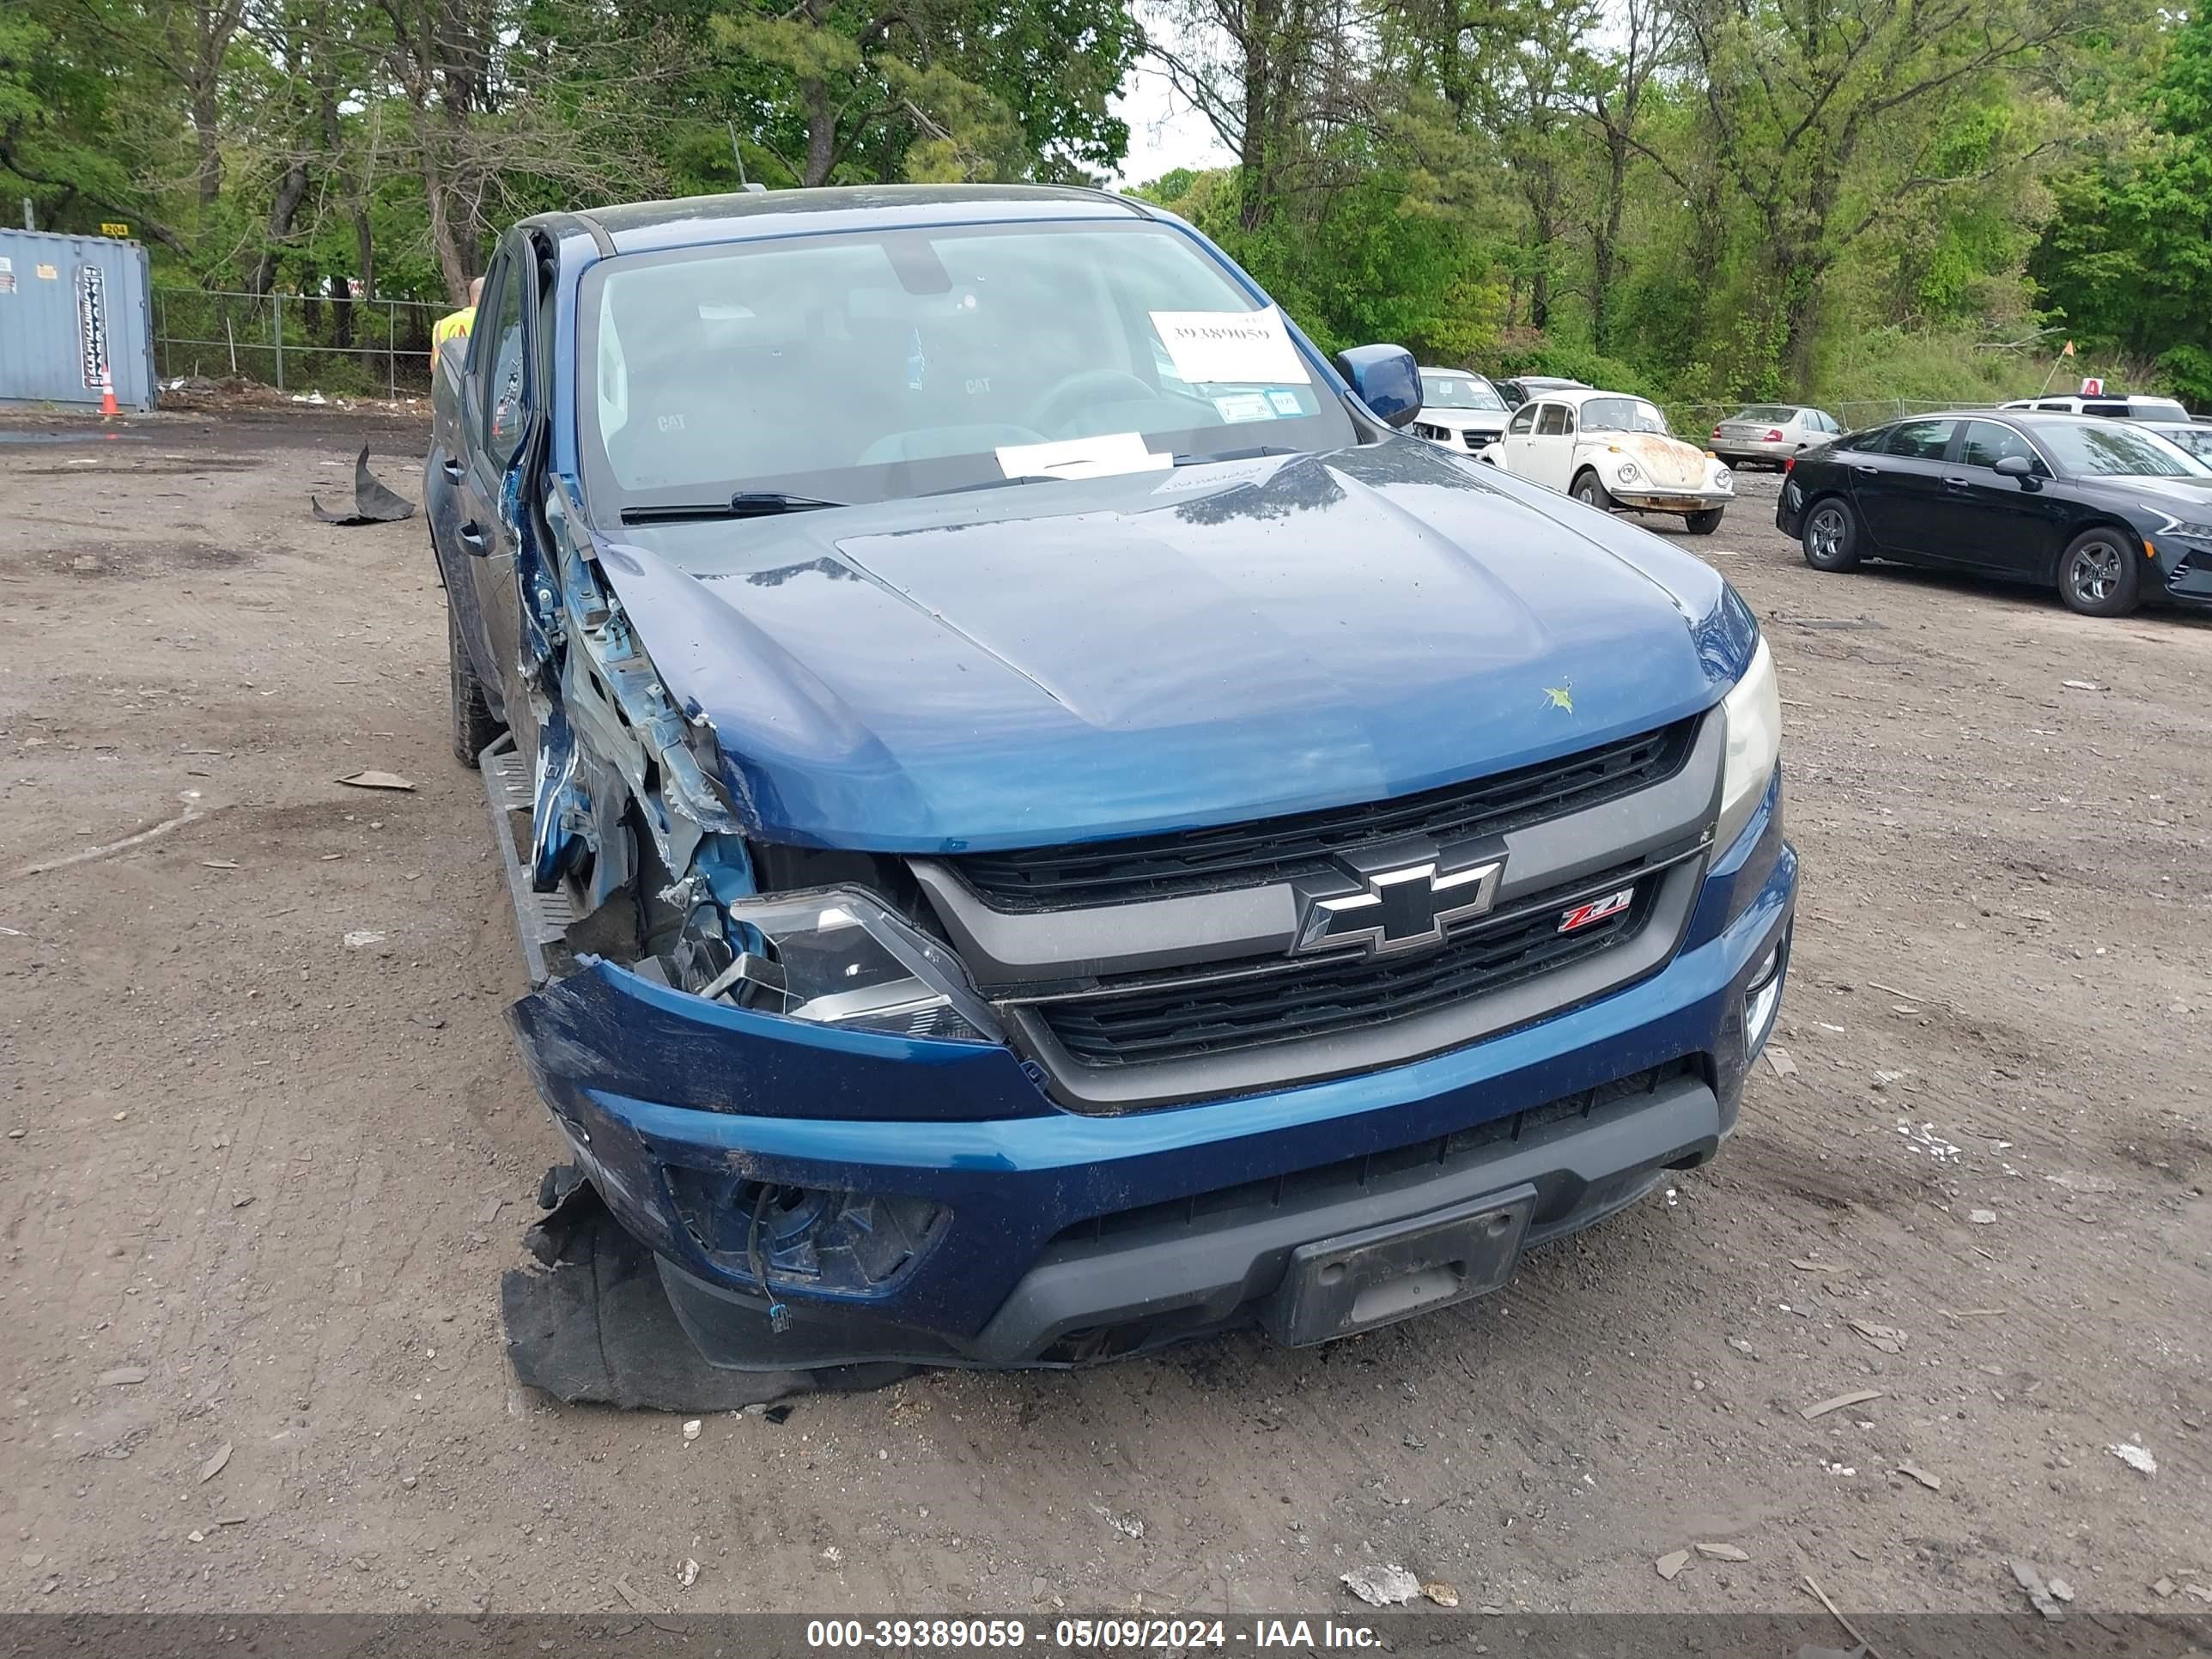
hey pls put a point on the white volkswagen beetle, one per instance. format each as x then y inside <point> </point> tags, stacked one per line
<point>1609,450</point>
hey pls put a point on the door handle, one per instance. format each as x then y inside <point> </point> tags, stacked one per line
<point>1960,485</point>
<point>1867,471</point>
<point>454,469</point>
<point>472,538</point>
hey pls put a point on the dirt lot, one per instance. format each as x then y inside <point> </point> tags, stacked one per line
<point>269,1147</point>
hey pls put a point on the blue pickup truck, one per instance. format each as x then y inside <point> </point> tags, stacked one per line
<point>1041,825</point>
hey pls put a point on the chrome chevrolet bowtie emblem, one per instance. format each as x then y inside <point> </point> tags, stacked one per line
<point>1394,905</point>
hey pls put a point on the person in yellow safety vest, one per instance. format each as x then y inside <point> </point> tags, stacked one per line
<point>455,325</point>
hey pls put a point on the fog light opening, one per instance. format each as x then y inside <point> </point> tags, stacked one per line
<point>1762,998</point>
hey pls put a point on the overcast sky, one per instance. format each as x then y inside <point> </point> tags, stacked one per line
<point>1165,131</point>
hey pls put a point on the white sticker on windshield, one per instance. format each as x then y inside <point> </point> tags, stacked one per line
<point>1285,403</point>
<point>1082,458</point>
<point>1239,347</point>
<point>1245,406</point>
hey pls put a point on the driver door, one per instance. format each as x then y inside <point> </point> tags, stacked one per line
<point>1513,449</point>
<point>1554,457</point>
<point>499,392</point>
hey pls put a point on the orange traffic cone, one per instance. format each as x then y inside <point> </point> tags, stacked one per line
<point>108,409</point>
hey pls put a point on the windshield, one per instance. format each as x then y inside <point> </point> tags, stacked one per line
<point>872,367</point>
<point>2197,440</point>
<point>2112,449</point>
<point>1622,415</point>
<point>1766,415</point>
<point>1458,392</point>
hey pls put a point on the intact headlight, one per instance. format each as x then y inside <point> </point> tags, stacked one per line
<point>836,956</point>
<point>1630,472</point>
<point>1753,714</point>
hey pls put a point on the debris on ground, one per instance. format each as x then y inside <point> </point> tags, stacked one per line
<point>1856,1397</point>
<point>2134,1456</point>
<point>1383,1587</point>
<point>637,1603</point>
<point>123,1377</point>
<point>2082,685</point>
<point>214,1466</point>
<point>1671,1563</point>
<point>1443,1594</point>
<point>2030,1578</point>
<point>2162,1589</point>
<point>1886,1338</point>
<point>687,1573</point>
<point>1722,1552</point>
<point>1983,1218</point>
<point>362,937</point>
<point>373,501</point>
<point>691,1430</point>
<point>1779,1058</point>
<point>2060,1589</point>
<point>1934,1483</point>
<point>375,780</point>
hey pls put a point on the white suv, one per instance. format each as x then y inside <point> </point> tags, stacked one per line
<point>2129,408</point>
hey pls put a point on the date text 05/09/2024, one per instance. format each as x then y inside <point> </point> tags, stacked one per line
<point>1084,1635</point>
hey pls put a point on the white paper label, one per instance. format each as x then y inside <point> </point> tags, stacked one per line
<point>1082,458</point>
<point>1239,347</point>
<point>1285,403</point>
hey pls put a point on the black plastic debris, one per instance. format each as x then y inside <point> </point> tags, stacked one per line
<point>595,1327</point>
<point>372,501</point>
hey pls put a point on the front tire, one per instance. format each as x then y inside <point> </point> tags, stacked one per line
<point>1704,522</point>
<point>1590,492</point>
<point>2098,576</point>
<point>473,725</point>
<point>1830,536</point>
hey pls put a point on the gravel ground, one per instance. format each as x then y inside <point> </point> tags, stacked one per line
<point>269,1147</point>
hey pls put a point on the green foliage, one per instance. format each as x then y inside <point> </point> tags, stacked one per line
<point>2128,263</point>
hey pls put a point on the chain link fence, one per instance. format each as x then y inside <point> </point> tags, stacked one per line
<point>341,347</point>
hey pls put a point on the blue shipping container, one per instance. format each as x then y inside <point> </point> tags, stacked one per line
<point>73,308</point>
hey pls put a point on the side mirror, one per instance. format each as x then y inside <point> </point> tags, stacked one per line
<point>1385,378</point>
<point>2020,467</point>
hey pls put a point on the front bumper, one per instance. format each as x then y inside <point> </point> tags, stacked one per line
<point>2183,570</point>
<point>1060,1237</point>
<point>1651,499</point>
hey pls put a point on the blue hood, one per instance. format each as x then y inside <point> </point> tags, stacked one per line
<point>1067,661</point>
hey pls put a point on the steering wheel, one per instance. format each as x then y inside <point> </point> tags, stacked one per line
<point>1089,385</point>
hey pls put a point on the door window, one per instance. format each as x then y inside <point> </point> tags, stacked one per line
<point>1924,441</point>
<point>1523,418</point>
<point>1552,420</point>
<point>505,412</point>
<point>1986,443</point>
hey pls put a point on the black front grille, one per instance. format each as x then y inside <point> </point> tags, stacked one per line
<point>1271,850</point>
<point>1288,1000</point>
<point>1331,1183</point>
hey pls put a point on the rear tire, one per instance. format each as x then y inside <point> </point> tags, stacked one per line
<point>473,725</point>
<point>1591,493</point>
<point>1704,522</point>
<point>2099,575</point>
<point>1830,536</point>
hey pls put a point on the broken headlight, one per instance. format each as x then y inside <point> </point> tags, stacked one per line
<point>837,956</point>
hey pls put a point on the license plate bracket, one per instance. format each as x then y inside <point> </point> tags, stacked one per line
<point>1360,1281</point>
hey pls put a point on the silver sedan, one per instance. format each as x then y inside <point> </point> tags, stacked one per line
<point>1772,433</point>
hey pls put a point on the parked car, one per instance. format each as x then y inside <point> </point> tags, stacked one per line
<point>2195,437</point>
<point>1021,860</point>
<point>1609,450</point>
<point>1459,409</point>
<point>1772,433</point>
<point>1518,390</point>
<point>2132,407</point>
<point>2110,513</point>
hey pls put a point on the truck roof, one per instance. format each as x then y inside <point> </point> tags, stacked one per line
<point>701,221</point>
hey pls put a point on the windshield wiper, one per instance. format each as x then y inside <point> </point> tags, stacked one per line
<point>745,504</point>
<point>1252,453</point>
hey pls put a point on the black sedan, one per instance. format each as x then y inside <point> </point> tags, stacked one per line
<point>2107,513</point>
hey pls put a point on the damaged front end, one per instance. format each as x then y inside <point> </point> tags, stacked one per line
<point>658,940</point>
